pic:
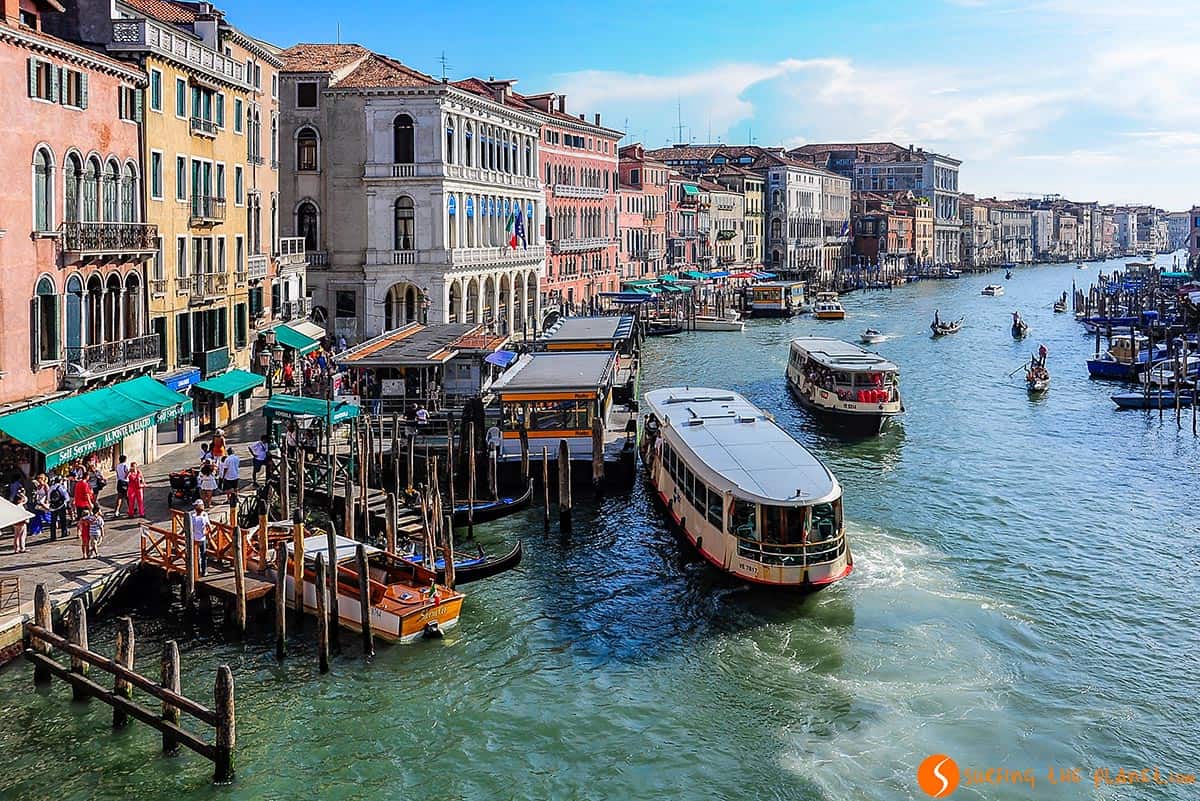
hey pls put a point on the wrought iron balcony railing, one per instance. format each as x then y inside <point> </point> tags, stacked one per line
<point>207,210</point>
<point>88,361</point>
<point>83,240</point>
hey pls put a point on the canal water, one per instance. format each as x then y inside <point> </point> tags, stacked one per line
<point>1023,598</point>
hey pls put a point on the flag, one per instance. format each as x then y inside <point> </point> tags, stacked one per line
<point>510,227</point>
<point>845,228</point>
<point>519,230</point>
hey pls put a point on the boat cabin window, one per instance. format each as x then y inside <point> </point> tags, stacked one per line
<point>716,508</point>
<point>784,525</point>
<point>826,521</point>
<point>743,519</point>
<point>550,415</point>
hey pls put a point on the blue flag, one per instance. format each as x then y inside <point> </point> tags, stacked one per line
<point>519,228</point>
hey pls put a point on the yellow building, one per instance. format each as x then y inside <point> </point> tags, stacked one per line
<point>211,165</point>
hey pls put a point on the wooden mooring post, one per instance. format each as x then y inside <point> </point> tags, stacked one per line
<point>285,502</point>
<point>239,575</point>
<point>389,523</point>
<point>222,717</point>
<point>545,488</point>
<point>597,453</point>
<point>331,589</point>
<point>564,485</point>
<point>470,446</point>
<point>364,600</point>
<point>280,601</point>
<point>322,589</point>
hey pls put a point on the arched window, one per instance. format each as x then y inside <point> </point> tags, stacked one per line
<point>73,175</point>
<point>776,229</point>
<point>402,140</point>
<point>776,198</point>
<point>112,179</point>
<point>469,137</point>
<point>91,191</point>
<point>405,221</point>
<point>306,151</point>
<point>449,141</point>
<point>306,224</point>
<point>129,207</point>
<point>528,158</point>
<point>45,322</point>
<point>43,190</point>
<point>74,315</point>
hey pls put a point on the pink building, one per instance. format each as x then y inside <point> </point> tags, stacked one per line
<point>73,246</point>
<point>642,220</point>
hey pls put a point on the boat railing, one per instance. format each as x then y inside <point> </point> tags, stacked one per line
<point>793,555</point>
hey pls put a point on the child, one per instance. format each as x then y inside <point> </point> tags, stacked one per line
<point>207,483</point>
<point>95,532</point>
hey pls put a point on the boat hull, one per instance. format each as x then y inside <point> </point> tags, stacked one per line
<point>487,511</point>
<point>386,625</point>
<point>1155,400</point>
<point>714,324</point>
<point>1112,371</point>
<point>865,419</point>
<point>830,315</point>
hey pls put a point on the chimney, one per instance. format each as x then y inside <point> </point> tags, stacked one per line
<point>597,118</point>
<point>12,11</point>
<point>206,26</point>
<point>562,104</point>
<point>583,117</point>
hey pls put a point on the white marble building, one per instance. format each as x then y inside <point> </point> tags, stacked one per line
<point>404,186</point>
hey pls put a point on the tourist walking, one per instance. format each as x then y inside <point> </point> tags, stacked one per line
<point>207,483</point>
<point>136,491</point>
<point>122,485</point>
<point>231,476</point>
<point>20,528</point>
<point>59,497</point>
<point>258,452</point>
<point>218,445</point>
<point>84,498</point>
<point>201,526</point>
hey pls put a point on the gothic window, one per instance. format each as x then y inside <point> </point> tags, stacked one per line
<point>306,150</point>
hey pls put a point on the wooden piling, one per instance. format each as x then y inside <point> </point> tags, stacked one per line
<point>262,536</point>
<point>448,551</point>
<point>597,452</point>
<point>300,477</point>
<point>226,738</point>
<point>348,510</point>
<point>77,634</point>
<point>42,618</point>
<point>280,601</point>
<point>285,503</point>
<point>450,463</point>
<point>470,445</point>
<point>170,681</point>
<point>298,569</point>
<point>322,589</point>
<point>564,485</point>
<point>364,600</point>
<point>124,658</point>
<point>412,446</point>
<point>239,580</point>
<point>331,588</point>
<point>545,488</point>
<point>524,434</point>
<point>189,563</point>
<point>390,523</point>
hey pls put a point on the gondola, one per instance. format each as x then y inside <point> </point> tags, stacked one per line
<point>486,511</point>
<point>1019,327</point>
<point>474,567</point>
<point>662,329</point>
<point>1154,399</point>
<point>1008,276</point>
<point>1060,306</point>
<point>940,328</point>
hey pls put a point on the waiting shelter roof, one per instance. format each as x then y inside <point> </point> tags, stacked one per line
<point>335,411</point>
<point>231,383</point>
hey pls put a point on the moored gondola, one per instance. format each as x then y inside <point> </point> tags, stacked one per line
<point>474,567</point>
<point>486,511</point>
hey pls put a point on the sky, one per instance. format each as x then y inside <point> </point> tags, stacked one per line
<point>1096,100</point>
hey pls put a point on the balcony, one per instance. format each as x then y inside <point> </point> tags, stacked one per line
<point>654,253</point>
<point>295,309</point>
<point>255,159</point>
<point>750,239</point>
<point>158,287</point>
<point>385,257</point>
<point>588,192</point>
<point>142,35</point>
<point>383,170</point>
<point>90,362</point>
<point>518,258</point>
<point>108,241</point>
<point>577,245</point>
<point>211,362</point>
<point>203,127</point>
<point>292,254</point>
<point>207,210</point>
<point>207,286</point>
<point>256,267</point>
<point>318,258</point>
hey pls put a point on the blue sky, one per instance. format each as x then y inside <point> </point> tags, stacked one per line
<point>1093,99</point>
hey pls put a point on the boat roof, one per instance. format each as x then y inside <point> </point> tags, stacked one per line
<point>839,355</point>
<point>775,283</point>
<point>590,329</point>
<point>319,544</point>
<point>738,447</point>
<point>557,372</point>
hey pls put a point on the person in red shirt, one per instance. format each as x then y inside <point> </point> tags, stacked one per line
<point>84,498</point>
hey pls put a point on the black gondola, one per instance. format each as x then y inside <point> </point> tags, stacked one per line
<point>663,329</point>
<point>474,568</point>
<point>486,511</point>
<point>940,328</point>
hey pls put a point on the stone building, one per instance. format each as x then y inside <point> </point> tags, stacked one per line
<point>642,223</point>
<point>750,185</point>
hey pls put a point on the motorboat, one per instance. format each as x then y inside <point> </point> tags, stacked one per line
<point>731,321</point>
<point>1166,373</point>
<point>992,290</point>
<point>750,498</point>
<point>1126,357</point>
<point>872,337</point>
<point>846,385</point>
<point>1080,266</point>
<point>828,307</point>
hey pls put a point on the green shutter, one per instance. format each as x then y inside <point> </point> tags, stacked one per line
<point>33,77</point>
<point>55,84</point>
<point>35,327</point>
<point>138,95</point>
<point>83,86</point>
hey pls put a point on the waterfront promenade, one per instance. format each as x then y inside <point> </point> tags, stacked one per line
<point>61,565</point>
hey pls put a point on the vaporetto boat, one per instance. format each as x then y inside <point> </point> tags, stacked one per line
<point>748,496</point>
<point>845,384</point>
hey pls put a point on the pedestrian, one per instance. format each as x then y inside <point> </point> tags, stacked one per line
<point>205,452</point>
<point>95,532</point>
<point>85,498</point>
<point>422,417</point>
<point>201,526</point>
<point>207,483</point>
<point>289,375</point>
<point>85,533</point>
<point>122,485</point>
<point>258,452</point>
<point>137,489</point>
<point>58,499</point>
<point>231,476</point>
<point>289,440</point>
<point>15,484</point>
<point>218,445</point>
<point>20,528</point>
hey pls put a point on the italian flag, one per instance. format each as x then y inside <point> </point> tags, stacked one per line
<point>510,228</point>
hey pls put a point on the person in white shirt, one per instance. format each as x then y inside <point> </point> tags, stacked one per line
<point>230,473</point>
<point>259,451</point>
<point>201,526</point>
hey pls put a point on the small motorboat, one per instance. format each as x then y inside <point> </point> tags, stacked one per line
<point>1154,399</point>
<point>872,337</point>
<point>1019,327</point>
<point>1081,266</point>
<point>1164,373</point>
<point>486,511</point>
<point>941,328</point>
<point>828,307</point>
<point>992,290</point>
<point>732,321</point>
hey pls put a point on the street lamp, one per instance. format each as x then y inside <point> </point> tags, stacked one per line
<point>266,359</point>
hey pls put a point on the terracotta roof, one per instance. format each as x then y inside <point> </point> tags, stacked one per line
<point>380,71</point>
<point>165,10</point>
<point>321,57</point>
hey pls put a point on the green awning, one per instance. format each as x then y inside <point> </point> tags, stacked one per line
<point>295,406</point>
<point>688,189</point>
<point>232,383</point>
<point>68,428</point>
<point>638,282</point>
<point>677,288</point>
<point>666,279</point>
<point>291,338</point>
<point>695,275</point>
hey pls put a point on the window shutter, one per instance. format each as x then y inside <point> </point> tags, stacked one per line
<point>138,96</point>
<point>33,77</point>
<point>35,350</point>
<point>54,84</point>
<point>83,86</point>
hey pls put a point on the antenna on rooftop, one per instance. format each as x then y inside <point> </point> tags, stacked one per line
<point>445,65</point>
<point>339,32</point>
<point>679,118</point>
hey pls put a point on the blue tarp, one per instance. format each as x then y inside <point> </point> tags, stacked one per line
<point>717,274</point>
<point>764,276</point>
<point>501,358</point>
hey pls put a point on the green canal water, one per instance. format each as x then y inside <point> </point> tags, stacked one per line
<point>1024,597</point>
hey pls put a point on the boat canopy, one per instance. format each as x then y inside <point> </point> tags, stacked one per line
<point>846,356</point>
<point>344,548</point>
<point>735,447</point>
